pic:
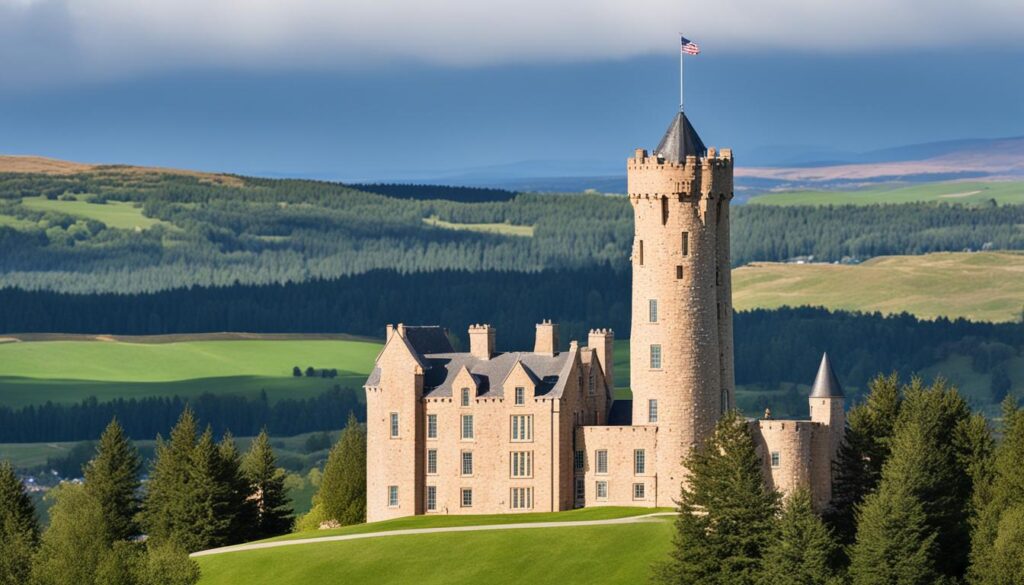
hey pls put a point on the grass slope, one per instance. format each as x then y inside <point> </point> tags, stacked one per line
<point>115,214</point>
<point>970,192</point>
<point>504,229</point>
<point>987,286</point>
<point>590,554</point>
<point>67,371</point>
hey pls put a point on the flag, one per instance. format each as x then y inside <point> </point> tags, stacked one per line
<point>689,47</point>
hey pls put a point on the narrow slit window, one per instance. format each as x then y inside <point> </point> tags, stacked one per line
<point>664,210</point>
<point>641,251</point>
<point>686,244</point>
<point>679,272</point>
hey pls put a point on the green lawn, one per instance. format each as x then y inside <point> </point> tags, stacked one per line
<point>504,229</point>
<point>984,286</point>
<point>566,556</point>
<point>114,214</point>
<point>67,371</point>
<point>444,521</point>
<point>970,192</point>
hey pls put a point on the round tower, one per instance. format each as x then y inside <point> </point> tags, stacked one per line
<point>681,371</point>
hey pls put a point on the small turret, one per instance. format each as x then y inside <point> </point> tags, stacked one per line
<point>826,384</point>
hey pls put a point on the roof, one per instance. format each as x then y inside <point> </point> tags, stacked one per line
<point>549,372</point>
<point>826,384</point>
<point>680,141</point>
<point>428,339</point>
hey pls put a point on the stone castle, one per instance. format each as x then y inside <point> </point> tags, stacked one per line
<point>484,432</point>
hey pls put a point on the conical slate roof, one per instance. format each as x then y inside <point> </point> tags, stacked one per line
<point>826,384</point>
<point>680,141</point>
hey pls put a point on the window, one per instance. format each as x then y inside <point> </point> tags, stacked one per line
<point>465,397</point>
<point>641,252</point>
<point>592,386</point>
<point>679,272</point>
<point>522,498</point>
<point>776,458</point>
<point>577,459</point>
<point>652,410</point>
<point>655,357</point>
<point>431,498</point>
<point>431,461</point>
<point>520,396</point>
<point>602,461</point>
<point>602,490</point>
<point>639,462</point>
<point>522,464</point>
<point>392,496</point>
<point>652,310</point>
<point>725,400</point>
<point>580,490</point>
<point>686,243</point>
<point>467,426</point>
<point>467,463</point>
<point>431,426</point>
<point>664,210</point>
<point>467,497</point>
<point>639,491</point>
<point>522,427</point>
<point>394,425</point>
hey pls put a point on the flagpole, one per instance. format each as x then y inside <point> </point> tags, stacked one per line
<point>680,79</point>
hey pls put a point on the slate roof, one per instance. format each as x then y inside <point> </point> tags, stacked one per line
<point>826,384</point>
<point>680,141</point>
<point>427,340</point>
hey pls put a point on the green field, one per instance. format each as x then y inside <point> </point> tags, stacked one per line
<point>504,229</point>
<point>970,192</point>
<point>606,554</point>
<point>33,372</point>
<point>116,214</point>
<point>984,286</point>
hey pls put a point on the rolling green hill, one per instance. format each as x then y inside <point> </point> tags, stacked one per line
<point>606,554</point>
<point>967,192</point>
<point>114,214</point>
<point>34,372</point>
<point>986,286</point>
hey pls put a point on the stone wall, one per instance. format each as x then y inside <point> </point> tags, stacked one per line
<point>621,444</point>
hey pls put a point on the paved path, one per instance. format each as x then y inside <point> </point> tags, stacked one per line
<point>520,526</point>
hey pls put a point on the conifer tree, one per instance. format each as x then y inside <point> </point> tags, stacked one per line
<point>240,509</point>
<point>75,544</point>
<point>997,544</point>
<point>112,478</point>
<point>802,550</point>
<point>211,504</point>
<point>168,510</point>
<point>266,480</point>
<point>342,494</point>
<point>894,544</point>
<point>19,532</point>
<point>863,453</point>
<point>726,512</point>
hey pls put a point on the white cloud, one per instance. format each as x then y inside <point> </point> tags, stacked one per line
<point>41,39</point>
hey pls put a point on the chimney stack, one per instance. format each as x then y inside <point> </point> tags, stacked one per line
<point>602,341</point>
<point>481,341</point>
<point>547,338</point>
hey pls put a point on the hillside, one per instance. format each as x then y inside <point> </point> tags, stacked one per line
<point>614,553</point>
<point>961,192</point>
<point>987,286</point>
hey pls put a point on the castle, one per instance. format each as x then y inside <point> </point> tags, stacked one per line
<point>483,432</point>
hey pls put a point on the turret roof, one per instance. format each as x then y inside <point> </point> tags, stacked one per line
<point>826,384</point>
<point>680,141</point>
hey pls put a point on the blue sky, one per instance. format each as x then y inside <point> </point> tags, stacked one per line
<point>369,95</point>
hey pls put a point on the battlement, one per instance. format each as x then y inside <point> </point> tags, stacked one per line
<point>602,332</point>
<point>654,176</point>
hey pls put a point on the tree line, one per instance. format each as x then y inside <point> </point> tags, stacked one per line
<point>263,231</point>
<point>113,529</point>
<point>772,346</point>
<point>152,415</point>
<point>923,495</point>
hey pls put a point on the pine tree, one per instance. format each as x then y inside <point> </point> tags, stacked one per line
<point>342,494</point>
<point>210,514</point>
<point>894,544</point>
<point>266,481</point>
<point>726,512</point>
<point>19,532</point>
<point>168,508</point>
<point>863,453</point>
<point>112,478</point>
<point>802,550</point>
<point>998,535</point>
<point>240,509</point>
<point>75,544</point>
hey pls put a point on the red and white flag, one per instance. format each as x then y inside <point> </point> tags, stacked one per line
<point>689,47</point>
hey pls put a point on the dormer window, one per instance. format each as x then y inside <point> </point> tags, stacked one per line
<point>465,397</point>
